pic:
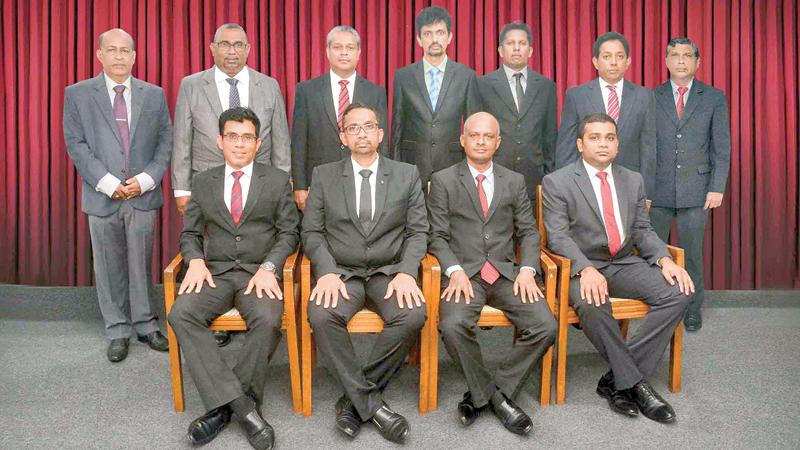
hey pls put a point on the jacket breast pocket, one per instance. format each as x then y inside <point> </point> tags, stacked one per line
<point>703,169</point>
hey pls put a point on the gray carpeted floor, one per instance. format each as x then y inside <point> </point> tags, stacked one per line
<point>741,388</point>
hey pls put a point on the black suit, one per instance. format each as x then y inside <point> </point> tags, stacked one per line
<point>267,231</point>
<point>529,135</point>
<point>461,235</point>
<point>315,133</point>
<point>336,243</point>
<point>422,135</point>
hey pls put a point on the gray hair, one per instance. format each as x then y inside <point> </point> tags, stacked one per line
<point>103,35</point>
<point>343,29</point>
<point>685,41</point>
<point>229,26</point>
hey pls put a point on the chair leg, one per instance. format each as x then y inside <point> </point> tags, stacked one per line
<point>623,328</point>
<point>675,355</point>
<point>294,368</point>
<point>433,368</point>
<point>420,357</point>
<point>313,353</point>
<point>306,356</point>
<point>176,372</point>
<point>561,362</point>
<point>547,369</point>
<point>413,355</point>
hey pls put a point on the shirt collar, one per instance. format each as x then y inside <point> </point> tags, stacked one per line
<point>351,80</point>
<point>487,173</point>
<point>593,172</point>
<point>248,170</point>
<point>618,84</point>
<point>428,66</point>
<point>675,86</point>
<point>111,84</point>
<point>243,76</point>
<point>510,73</point>
<point>358,168</point>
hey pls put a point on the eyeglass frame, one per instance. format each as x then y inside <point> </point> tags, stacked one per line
<point>357,129</point>
<point>234,138</point>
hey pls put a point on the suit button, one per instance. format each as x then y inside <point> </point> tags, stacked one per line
<point>519,142</point>
<point>238,238</point>
<point>433,144</point>
<point>518,125</point>
<point>486,237</point>
<point>519,158</point>
<point>369,248</point>
<point>679,136</point>
<point>679,166</point>
<point>433,125</point>
<point>238,261</point>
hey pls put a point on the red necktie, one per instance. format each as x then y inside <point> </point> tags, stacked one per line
<point>236,197</point>
<point>613,102</point>
<point>488,272</point>
<point>612,231</point>
<point>681,90</point>
<point>344,101</point>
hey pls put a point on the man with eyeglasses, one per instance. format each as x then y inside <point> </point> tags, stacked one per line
<point>205,95</point>
<point>118,134</point>
<point>365,230</point>
<point>239,228</point>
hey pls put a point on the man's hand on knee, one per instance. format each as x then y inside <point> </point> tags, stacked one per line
<point>594,288</point>
<point>264,281</point>
<point>327,291</point>
<point>525,287</point>
<point>459,285</point>
<point>195,276</point>
<point>404,286</point>
<point>673,272</point>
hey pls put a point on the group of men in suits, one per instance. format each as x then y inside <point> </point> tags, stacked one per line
<point>370,210</point>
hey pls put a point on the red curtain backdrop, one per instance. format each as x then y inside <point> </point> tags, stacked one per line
<point>749,50</point>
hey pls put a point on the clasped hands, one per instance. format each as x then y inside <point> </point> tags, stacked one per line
<point>127,190</point>
<point>330,287</point>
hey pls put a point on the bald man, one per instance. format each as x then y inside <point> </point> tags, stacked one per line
<point>477,211</point>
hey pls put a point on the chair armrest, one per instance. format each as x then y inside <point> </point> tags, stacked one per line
<point>431,285</point>
<point>170,273</point>
<point>305,287</point>
<point>562,292</point>
<point>677,255</point>
<point>549,275</point>
<point>289,276</point>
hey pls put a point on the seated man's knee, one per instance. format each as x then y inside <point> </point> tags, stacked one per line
<point>415,318</point>
<point>455,323</point>
<point>544,328</point>
<point>263,314</point>
<point>321,317</point>
<point>180,313</point>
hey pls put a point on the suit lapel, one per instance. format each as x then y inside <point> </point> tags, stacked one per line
<point>626,103</point>
<point>622,187</point>
<point>349,192</point>
<point>381,190</point>
<point>254,90</point>
<point>256,186</point>
<point>530,92</point>
<point>691,104</point>
<point>210,90</point>
<point>595,95</point>
<point>137,100</point>
<point>104,102</point>
<point>419,77</point>
<point>667,101</point>
<point>449,68</point>
<point>327,99</point>
<point>501,86</point>
<point>585,185</point>
<point>499,191</point>
<point>218,194</point>
<point>465,176</point>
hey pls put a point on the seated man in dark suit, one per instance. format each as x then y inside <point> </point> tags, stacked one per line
<point>478,210</point>
<point>596,215</point>
<point>365,230</point>
<point>239,228</point>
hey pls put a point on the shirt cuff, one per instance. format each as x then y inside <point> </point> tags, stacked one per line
<point>108,184</point>
<point>528,268</point>
<point>180,193</point>
<point>146,182</point>
<point>452,269</point>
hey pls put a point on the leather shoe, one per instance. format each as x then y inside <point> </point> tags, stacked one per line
<point>155,340</point>
<point>206,427</point>
<point>467,411</point>
<point>347,419</point>
<point>392,426</point>
<point>223,338</point>
<point>511,416</point>
<point>259,433</point>
<point>693,321</point>
<point>651,404</point>
<point>117,350</point>
<point>619,401</point>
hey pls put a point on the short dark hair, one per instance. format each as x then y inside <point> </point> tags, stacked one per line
<point>239,115</point>
<point>431,15</point>
<point>594,118</point>
<point>360,105</point>
<point>610,36</point>
<point>683,41</point>
<point>509,27</point>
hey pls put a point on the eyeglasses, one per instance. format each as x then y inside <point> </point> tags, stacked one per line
<point>234,138</point>
<point>368,128</point>
<point>225,45</point>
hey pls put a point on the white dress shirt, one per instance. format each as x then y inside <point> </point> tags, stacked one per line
<point>596,183</point>
<point>676,95</point>
<point>372,181</point>
<point>512,82</point>
<point>224,88</point>
<point>244,181</point>
<point>108,184</point>
<point>606,92</point>
<point>336,89</point>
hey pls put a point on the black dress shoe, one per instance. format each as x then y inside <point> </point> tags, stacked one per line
<point>693,321</point>
<point>392,426</point>
<point>259,433</point>
<point>651,404</point>
<point>155,340</point>
<point>347,419</point>
<point>117,350</point>
<point>223,338</point>
<point>511,416</point>
<point>619,401</point>
<point>467,411</point>
<point>206,427</point>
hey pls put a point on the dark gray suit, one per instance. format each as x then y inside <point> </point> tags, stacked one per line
<point>267,231</point>
<point>460,235</point>
<point>426,137</point>
<point>315,133</point>
<point>336,243</point>
<point>575,229</point>
<point>693,159</point>
<point>529,136</point>
<point>636,127</point>
<point>121,231</point>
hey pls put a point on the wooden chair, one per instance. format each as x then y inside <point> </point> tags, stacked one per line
<point>366,321</point>
<point>232,321</point>
<point>623,309</point>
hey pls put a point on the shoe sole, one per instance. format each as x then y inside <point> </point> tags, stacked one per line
<point>606,394</point>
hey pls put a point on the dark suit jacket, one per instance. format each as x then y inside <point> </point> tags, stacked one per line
<point>694,153</point>
<point>420,136</point>
<point>636,127</point>
<point>460,235</point>
<point>95,146</point>
<point>333,238</point>
<point>574,220</point>
<point>315,133</point>
<point>528,137</point>
<point>267,230</point>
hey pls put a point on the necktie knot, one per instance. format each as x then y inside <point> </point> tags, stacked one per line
<point>237,174</point>
<point>365,173</point>
<point>232,81</point>
<point>343,83</point>
<point>602,175</point>
<point>481,177</point>
<point>682,89</point>
<point>119,89</point>
<point>612,88</point>
<point>433,71</point>
<point>518,76</point>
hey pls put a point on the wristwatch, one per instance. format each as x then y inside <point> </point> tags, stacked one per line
<point>268,266</point>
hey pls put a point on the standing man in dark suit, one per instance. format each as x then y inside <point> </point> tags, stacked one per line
<point>319,105</point>
<point>365,231</point>
<point>524,102</point>
<point>694,152</point>
<point>239,228</point>
<point>118,134</point>
<point>596,215</point>
<point>478,210</point>
<point>631,106</point>
<point>431,98</point>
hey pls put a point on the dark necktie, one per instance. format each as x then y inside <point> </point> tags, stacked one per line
<point>233,97</point>
<point>520,91</point>
<point>365,207</point>
<point>121,116</point>
<point>614,241</point>
<point>236,197</point>
<point>488,272</point>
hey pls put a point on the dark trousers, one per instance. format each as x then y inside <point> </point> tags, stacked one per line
<point>637,359</point>
<point>401,326</point>
<point>691,233</point>
<point>535,330</point>
<point>190,317</point>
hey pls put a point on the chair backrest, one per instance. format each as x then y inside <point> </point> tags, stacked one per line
<point>540,216</point>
